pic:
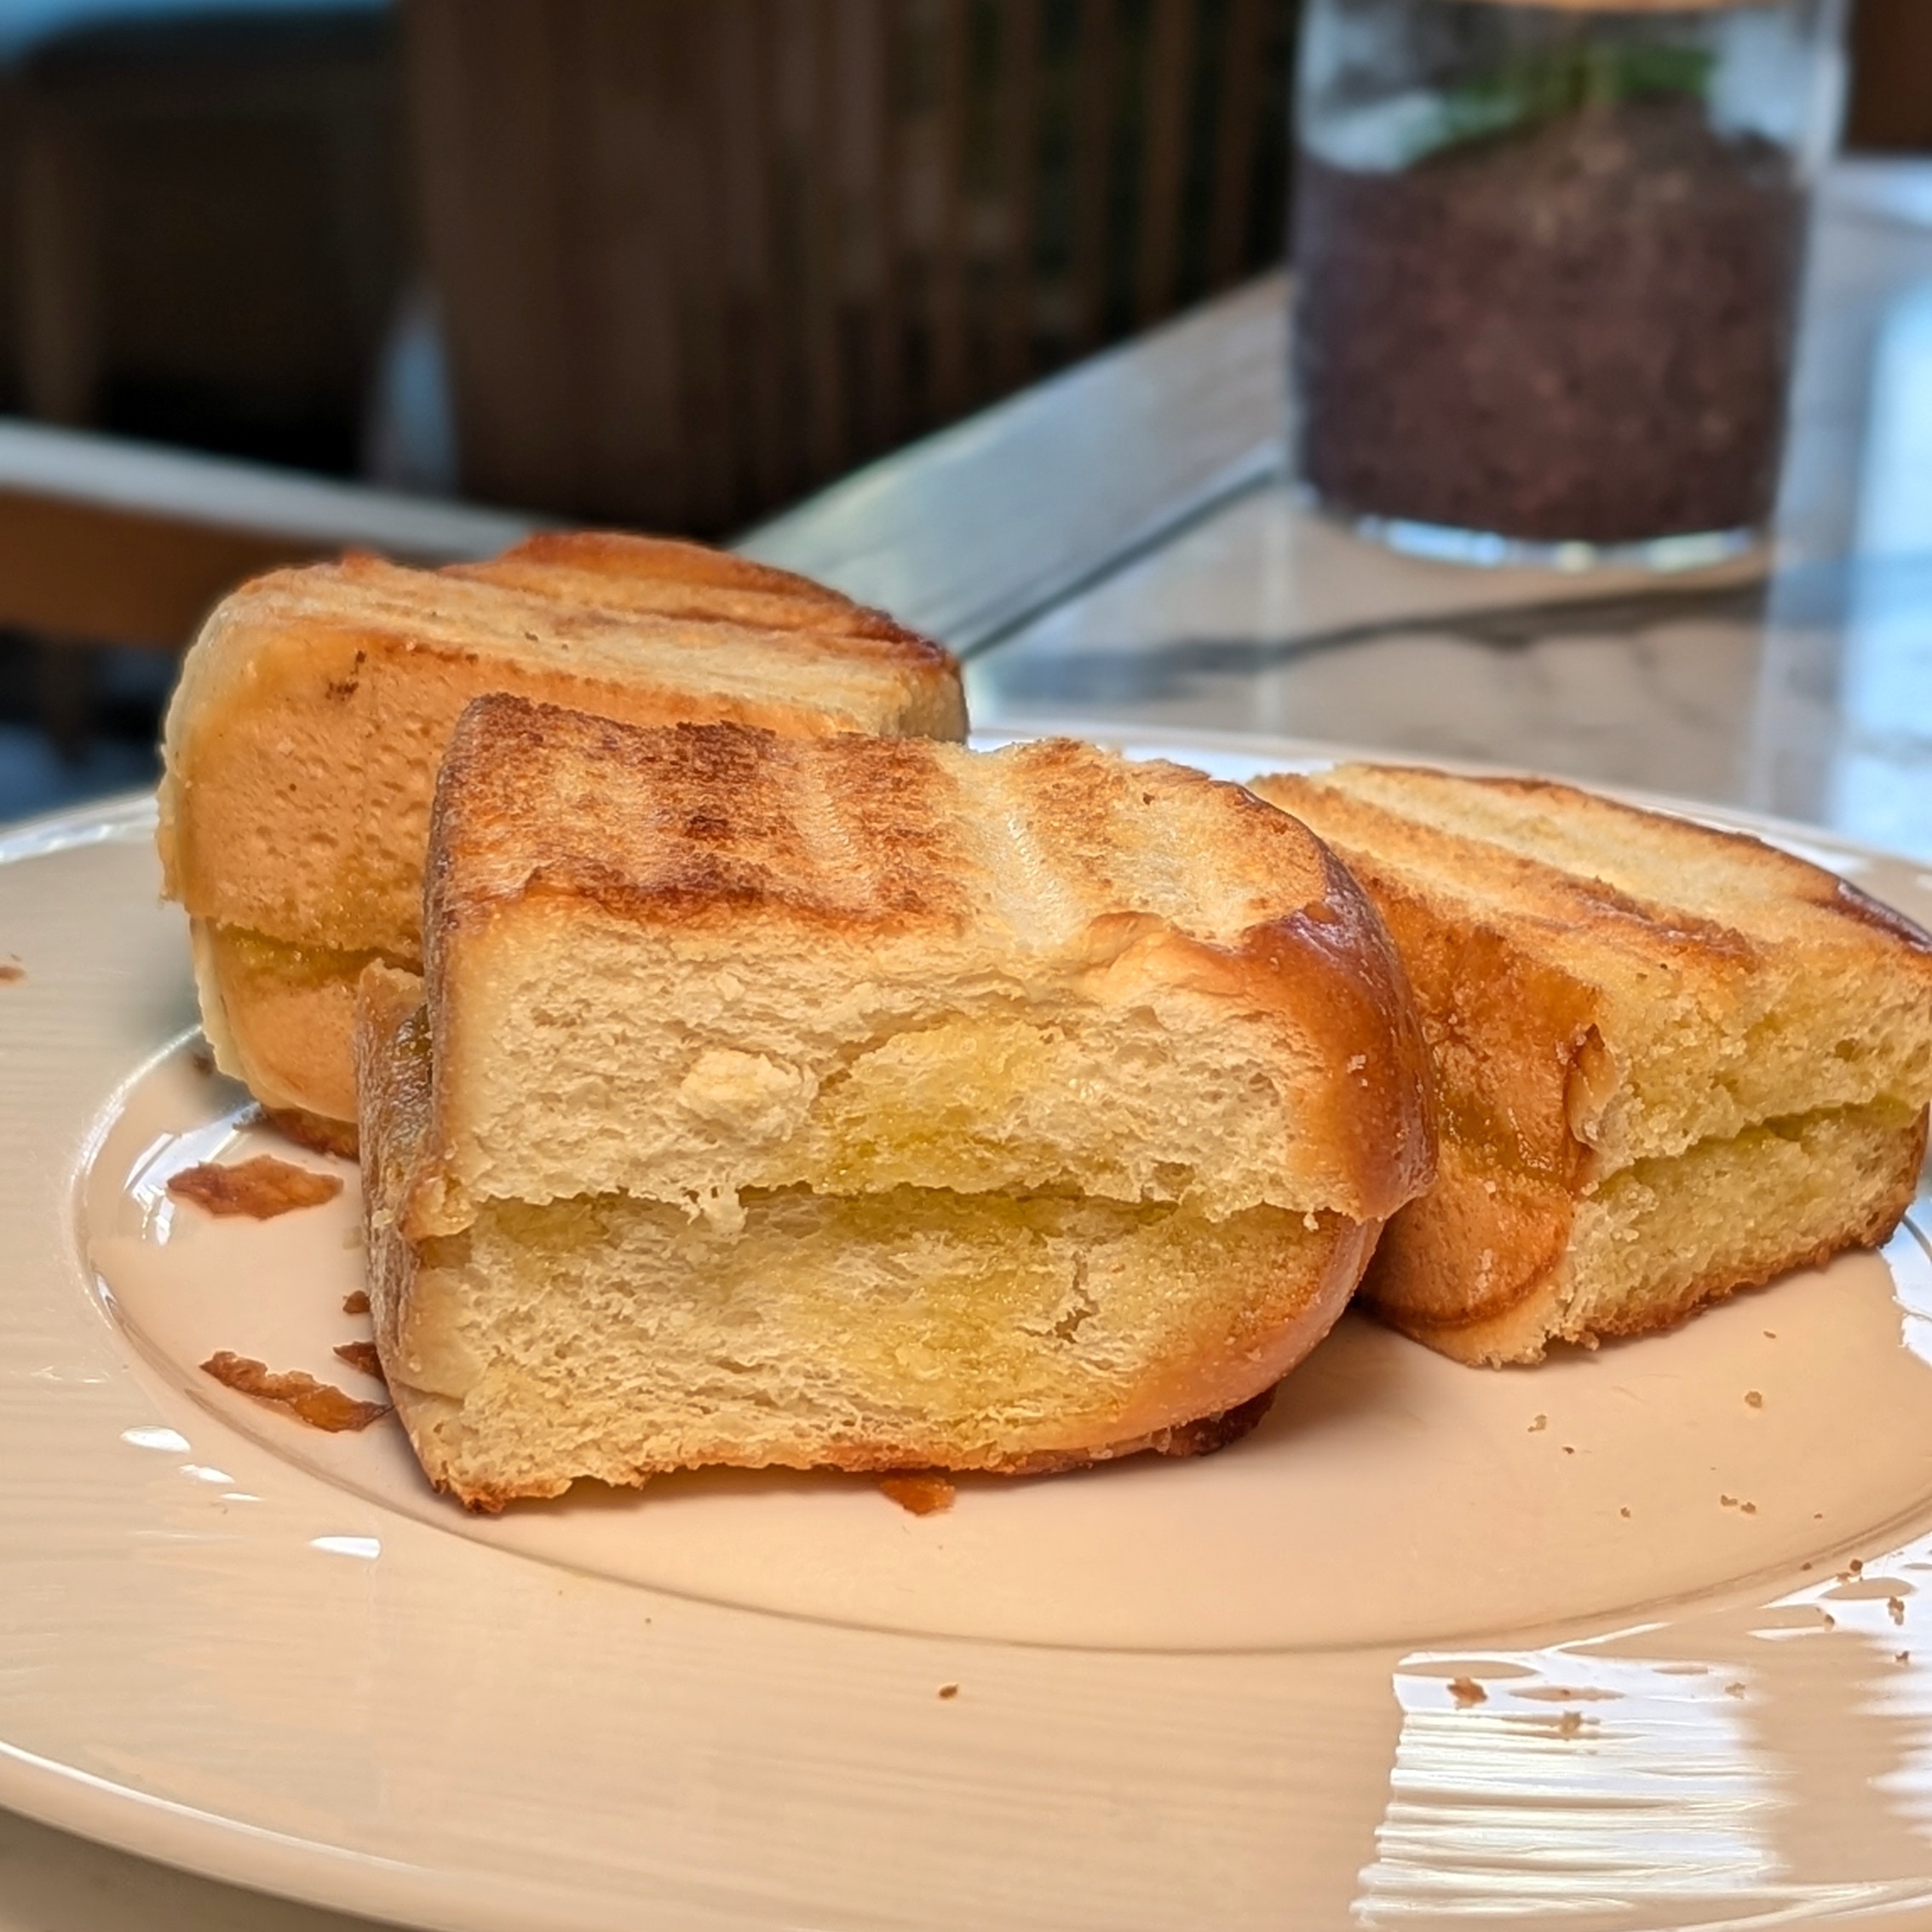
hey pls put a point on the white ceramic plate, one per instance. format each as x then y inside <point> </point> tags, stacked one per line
<point>1610,1643</point>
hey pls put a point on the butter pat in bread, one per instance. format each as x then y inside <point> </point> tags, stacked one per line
<point>302,743</point>
<point>1670,1061</point>
<point>865,1103</point>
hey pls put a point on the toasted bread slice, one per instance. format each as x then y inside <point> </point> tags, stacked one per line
<point>683,964</point>
<point>303,742</point>
<point>1670,1061</point>
<point>661,576</point>
<point>865,1103</point>
<point>611,1337</point>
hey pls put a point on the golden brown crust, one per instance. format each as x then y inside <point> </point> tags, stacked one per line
<point>919,1493</point>
<point>280,1018</point>
<point>697,823</point>
<point>1516,1323</point>
<point>314,1132</point>
<point>392,1082</point>
<point>672,577</point>
<point>1380,1110</point>
<point>1048,858</point>
<point>303,742</point>
<point>1533,848</point>
<point>1204,1437</point>
<point>1517,949</point>
<point>1204,1406</point>
<point>1486,1244</point>
<point>361,1355</point>
<point>302,746</point>
<point>420,1412</point>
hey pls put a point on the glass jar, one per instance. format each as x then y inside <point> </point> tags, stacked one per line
<point>1547,264</point>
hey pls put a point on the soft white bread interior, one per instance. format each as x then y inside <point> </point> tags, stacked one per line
<point>1670,1061</point>
<point>303,742</point>
<point>791,1103</point>
<point>612,1337</point>
<point>688,963</point>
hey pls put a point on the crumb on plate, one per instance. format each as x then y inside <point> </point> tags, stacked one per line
<point>321,1405</point>
<point>259,1189</point>
<point>923,1495</point>
<point>356,1303</point>
<point>361,1355</point>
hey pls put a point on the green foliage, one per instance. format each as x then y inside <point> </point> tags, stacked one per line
<point>1532,90</point>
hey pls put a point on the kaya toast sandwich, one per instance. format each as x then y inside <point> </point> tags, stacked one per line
<point>865,1103</point>
<point>1670,1062</point>
<point>302,741</point>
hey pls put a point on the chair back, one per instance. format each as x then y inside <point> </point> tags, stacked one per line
<point>696,256</point>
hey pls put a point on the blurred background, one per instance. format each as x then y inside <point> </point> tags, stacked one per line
<point>647,262</point>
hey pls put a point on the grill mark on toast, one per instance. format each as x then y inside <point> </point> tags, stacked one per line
<point>697,821</point>
<point>1775,878</point>
<point>573,613</point>
<point>1513,886</point>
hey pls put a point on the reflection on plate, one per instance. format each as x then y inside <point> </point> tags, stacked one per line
<point>1607,1643</point>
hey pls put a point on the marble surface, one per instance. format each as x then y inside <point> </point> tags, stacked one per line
<point>1247,624</point>
<point>1799,681</point>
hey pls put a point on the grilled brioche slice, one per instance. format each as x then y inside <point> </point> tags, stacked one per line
<point>1670,1061</point>
<point>612,1336</point>
<point>682,964</point>
<point>303,742</point>
<point>864,1103</point>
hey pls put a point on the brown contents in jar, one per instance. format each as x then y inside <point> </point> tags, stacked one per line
<point>1577,333</point>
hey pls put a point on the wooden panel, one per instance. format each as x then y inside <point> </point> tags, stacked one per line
<point>975,529</point>
<point>1095,76</point>
<point>621,162</point>
<point>871,319</point>
<point>945,273</point>
<point>736,96</point>
<point>485,100</point>
<point>685,189</point>
<point>105,539</point>
<point>1238,107</point>
<point>1891,95</point>
<point>696,259</point>
<point>58,270</point>
<point>80,571</point>
<point>1016,288</point>
<point>1167,92</point>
